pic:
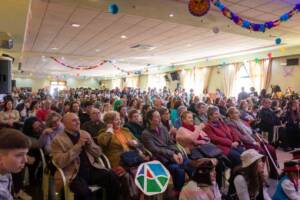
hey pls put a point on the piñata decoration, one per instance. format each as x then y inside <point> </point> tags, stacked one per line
<point>278,41</point>
<point>199,7</point>
<point>113,9</point>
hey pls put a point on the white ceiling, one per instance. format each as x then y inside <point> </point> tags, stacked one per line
<point>176,39</point>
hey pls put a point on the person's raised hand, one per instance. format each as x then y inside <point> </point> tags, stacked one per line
<point>235,144</point>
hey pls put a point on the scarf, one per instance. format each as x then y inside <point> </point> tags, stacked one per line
<point>188,126</point>
<point>122,139</point>
<point>166,124</point>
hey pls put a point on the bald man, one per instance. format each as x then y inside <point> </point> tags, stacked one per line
<point>94,125</point>
<point>76,153</point>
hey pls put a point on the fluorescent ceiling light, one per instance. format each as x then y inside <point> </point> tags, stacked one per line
<point>75,25</point>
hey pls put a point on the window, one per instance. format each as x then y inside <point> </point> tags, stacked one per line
<point>242,80</point>
<point>56,86</point>
<point>156,81</point>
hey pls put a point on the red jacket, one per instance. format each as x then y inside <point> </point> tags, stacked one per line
<point>221,135</point>
<point>42,114</point>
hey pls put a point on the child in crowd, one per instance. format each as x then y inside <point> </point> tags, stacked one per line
<point>248,182</point>
<point>288,187</point>
<point>203,184</point>
<point>13,149</point>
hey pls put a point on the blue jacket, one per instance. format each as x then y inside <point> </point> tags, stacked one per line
<point>279,193</point>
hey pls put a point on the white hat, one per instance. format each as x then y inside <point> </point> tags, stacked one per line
<point>250,156</point>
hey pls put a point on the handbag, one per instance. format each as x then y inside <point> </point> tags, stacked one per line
<point>131,159</point>
<point>209,150</point>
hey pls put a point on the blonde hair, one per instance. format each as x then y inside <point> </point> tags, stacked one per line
<point>184,114</point>
<point>110,116</point>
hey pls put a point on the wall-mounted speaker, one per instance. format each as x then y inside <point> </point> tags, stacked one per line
<point>292,62</point>
<point>5,75</point>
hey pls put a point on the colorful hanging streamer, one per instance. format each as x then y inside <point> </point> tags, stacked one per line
<point>79,67</point>
<point>251,25</point>
<point>254,26</point>
<point>137,72</point>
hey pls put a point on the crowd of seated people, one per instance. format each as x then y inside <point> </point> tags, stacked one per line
<point>196,139</point>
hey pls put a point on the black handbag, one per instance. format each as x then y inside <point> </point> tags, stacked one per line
<point>206,151</point>
<point>131,159</point>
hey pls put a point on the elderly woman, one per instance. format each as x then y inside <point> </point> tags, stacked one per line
<point>9,117</point>
<point>200,117</point>
<point>248,139</point>
<point>54,127</point>
<point>115,140</point>
<point>223,137</point>
<point>190,136</point>
<point>157,140</point>
<point>245,114</point>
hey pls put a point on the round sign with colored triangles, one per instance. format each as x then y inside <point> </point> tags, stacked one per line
<point>152,178</point>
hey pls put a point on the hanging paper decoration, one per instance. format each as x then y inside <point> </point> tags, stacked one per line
<point>78,67</point>
<point>199,7</point>
<point>261,27</point>
<point>137,72</point>
<point>278,41</point>
<point>282,49</point>
<point>270,55</point>
<point>113,9</point>
<point>216,30</point>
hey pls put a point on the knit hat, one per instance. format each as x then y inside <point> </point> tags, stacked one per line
<point>250,156</point>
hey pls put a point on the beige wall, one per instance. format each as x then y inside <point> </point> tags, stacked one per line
<point>279,78</point>
<point>35,83</point>
<point>143,82</point>
<point>217,80</point>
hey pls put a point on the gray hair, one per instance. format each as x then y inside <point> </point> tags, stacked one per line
<point>211,110</point>
<point>50,117</point>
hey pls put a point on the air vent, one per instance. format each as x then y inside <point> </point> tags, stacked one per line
<point>292,62</point>
<point>143,47</point>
